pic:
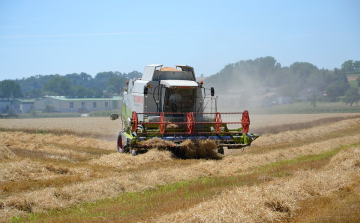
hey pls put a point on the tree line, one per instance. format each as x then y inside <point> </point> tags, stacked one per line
<point>249,75</point>
<point>80,85</point>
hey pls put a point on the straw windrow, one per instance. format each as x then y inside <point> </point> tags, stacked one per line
<point>274,200</point>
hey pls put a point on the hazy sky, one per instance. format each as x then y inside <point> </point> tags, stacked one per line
<point>63,36</point>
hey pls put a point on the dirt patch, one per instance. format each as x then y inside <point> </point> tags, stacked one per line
<point>352,77</point>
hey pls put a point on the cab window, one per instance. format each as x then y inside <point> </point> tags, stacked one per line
<point>179,100</point>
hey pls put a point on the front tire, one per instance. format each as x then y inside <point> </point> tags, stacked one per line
<point>120,146</point>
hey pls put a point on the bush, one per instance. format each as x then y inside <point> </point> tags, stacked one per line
<point>33,113</point>
<point>11,113</point>
<point>49,109</point>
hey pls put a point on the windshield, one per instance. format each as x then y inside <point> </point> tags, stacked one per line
<point>179,100</point>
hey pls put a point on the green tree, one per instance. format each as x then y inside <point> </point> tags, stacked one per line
<point>49,109</point>
<point>12,113</point>
<point>336,89</point>
<point>80,91</point>
<point>102,78</point>
<point>332,92</point>
<point>10,88</point>
<point>348,66</point>
<point>313,98</point>
<point>34,93</point>
<point>131,75</point>
<point>97,91</point>
<point>114,84</point>
<point>59,85</point>
<point>352,96</point>
<point>356,65</point>
<point>82,79</point>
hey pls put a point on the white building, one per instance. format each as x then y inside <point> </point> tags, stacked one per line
<point>66,104</point>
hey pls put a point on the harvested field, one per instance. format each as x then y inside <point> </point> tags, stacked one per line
<point>103,127</point>
<point>274,180</point>
<point>276,199</point>
<point>85,126</point>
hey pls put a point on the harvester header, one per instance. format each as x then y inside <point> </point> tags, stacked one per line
<point>168,103</point>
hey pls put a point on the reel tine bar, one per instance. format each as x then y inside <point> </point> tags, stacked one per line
<point>190,121</point>
<point>162,123</point>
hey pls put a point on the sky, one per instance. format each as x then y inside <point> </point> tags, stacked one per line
<point>41,37</point>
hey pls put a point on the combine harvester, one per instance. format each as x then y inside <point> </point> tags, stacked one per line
<point>168,103</point>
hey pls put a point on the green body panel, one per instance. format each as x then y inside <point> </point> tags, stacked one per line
<point>125,113</point>
<point>128,135</point>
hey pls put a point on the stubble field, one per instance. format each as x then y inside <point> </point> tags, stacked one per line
<point>304,168</point>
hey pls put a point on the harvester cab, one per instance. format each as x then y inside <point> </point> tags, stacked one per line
<point>168,103</point>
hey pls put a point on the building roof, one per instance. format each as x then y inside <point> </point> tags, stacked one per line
<point>269,94</point>
<point>25,101</point>
<point>308,90</point>
<point>63,98</point>
<point>18,100</point>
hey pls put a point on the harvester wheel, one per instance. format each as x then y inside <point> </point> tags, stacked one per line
<point>134,121</point>
<point>245,121</point>
<point>162,123</point>
<point>120,146</point>
<point>218,122</point>
<point>190,123</point>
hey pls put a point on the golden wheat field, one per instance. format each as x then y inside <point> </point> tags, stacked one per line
<point>303,168</point>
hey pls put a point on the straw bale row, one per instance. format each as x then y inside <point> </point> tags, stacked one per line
<point>29,170</point>
<point>206,149</point>
<point>230,164</point>
<point>290,136</point>
<point>15,138</point>
<point>274,200</point>
<point>127,161</point>
<point>22,170</point>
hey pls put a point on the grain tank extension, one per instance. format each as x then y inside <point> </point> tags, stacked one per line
<point>169,104</point>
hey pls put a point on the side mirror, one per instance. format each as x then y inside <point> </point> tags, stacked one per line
<point>212,91</point>
<point>146,89</point>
